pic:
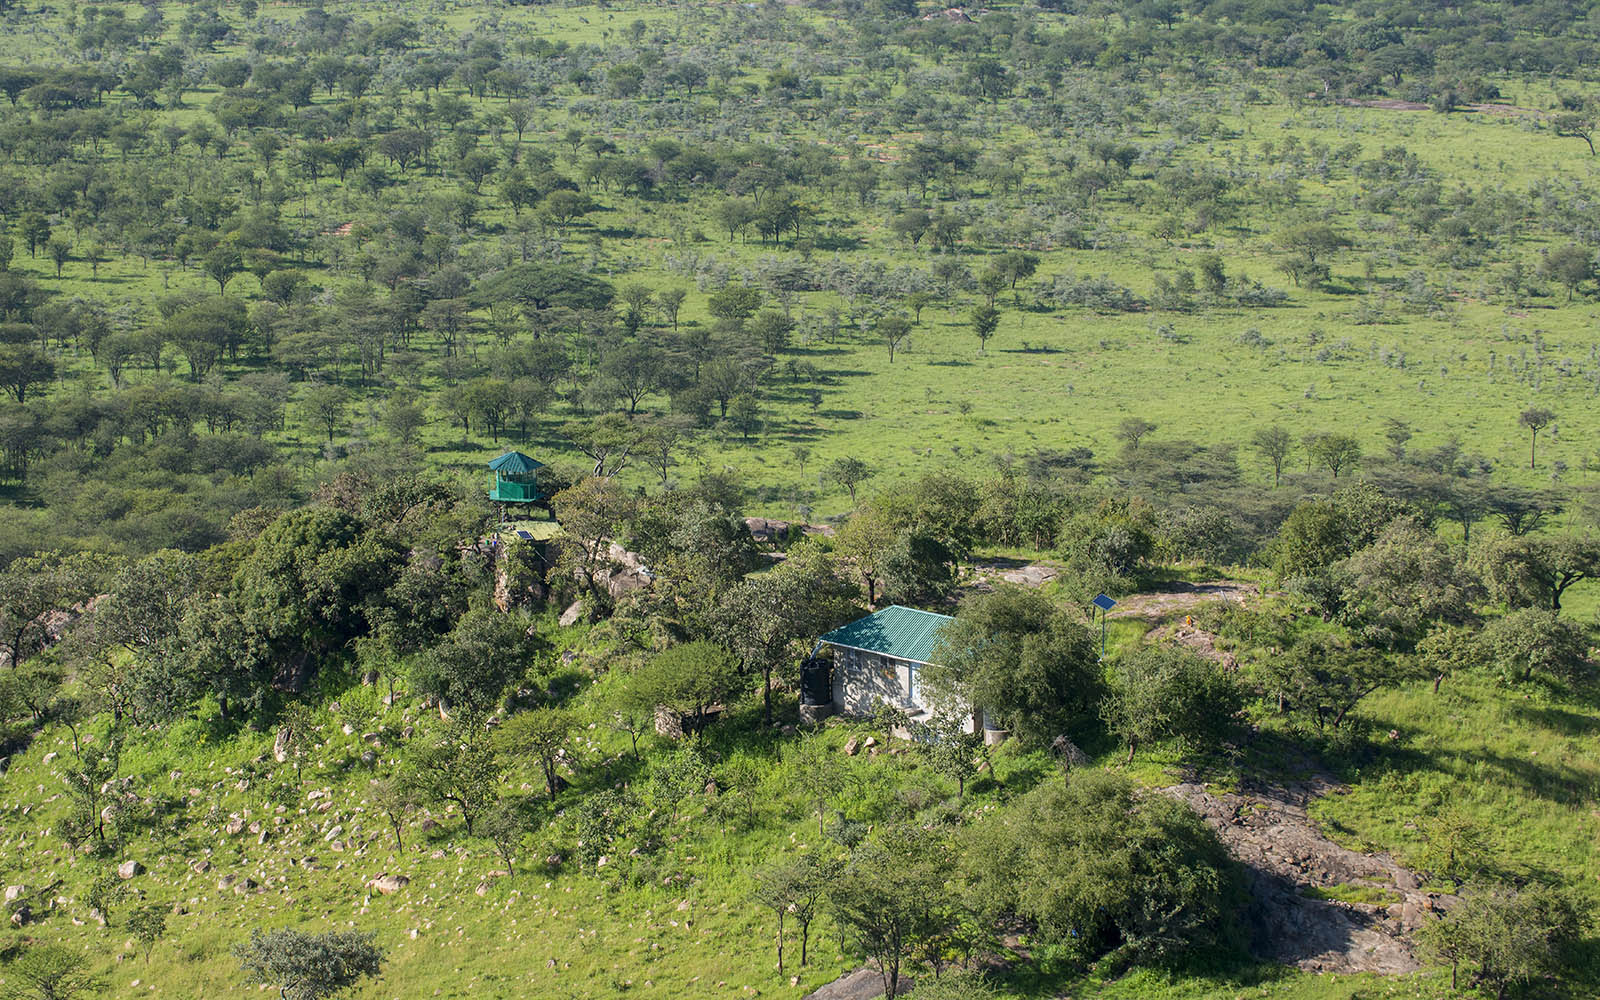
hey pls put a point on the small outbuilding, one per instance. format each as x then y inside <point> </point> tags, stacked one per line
<point>878,659</point>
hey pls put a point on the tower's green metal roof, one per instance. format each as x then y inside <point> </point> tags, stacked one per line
<point>516,463</point>
<point>903,633</point>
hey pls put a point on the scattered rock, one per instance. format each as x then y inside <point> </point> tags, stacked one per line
<point>128,869</point>
<point>388,885</point>
<point>571,615</point>
<point>200,867</point>
<point>852,746</point>
<point>50,758</point>
<point>21,915</point>
<point>15,892</point>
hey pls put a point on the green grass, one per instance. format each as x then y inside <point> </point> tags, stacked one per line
<point>1518,765</point>
<point>1370,895</point>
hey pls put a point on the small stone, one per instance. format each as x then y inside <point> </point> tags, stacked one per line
<point>852,746</point>
<point>128,869</point>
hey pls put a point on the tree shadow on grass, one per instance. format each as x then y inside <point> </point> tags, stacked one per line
<point>1562,720</point>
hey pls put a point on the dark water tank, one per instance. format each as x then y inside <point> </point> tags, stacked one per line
<point>816,681</point>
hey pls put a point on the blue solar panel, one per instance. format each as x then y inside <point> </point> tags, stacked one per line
<point>525,535</point>
<point>1104,603</point>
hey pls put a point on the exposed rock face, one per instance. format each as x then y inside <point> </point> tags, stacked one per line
<point>625,574</point>
<point>1284,854</point>
<point>767,532</point>
<point>862,984</point>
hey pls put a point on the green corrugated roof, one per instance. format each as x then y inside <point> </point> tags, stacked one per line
<point>516,463</point>
<point>904,633</point>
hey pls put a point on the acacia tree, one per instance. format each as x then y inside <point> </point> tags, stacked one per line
<point>894,896</point>
<point>1275,445</point>
<point>1510,937</point>
<point>541,734</point>
<point>1535,419</point>
<point>849,472</point>
<point>794,887</point>
<point>1168,692</point>
<point>49,972</point>
<point>1535,570</point>
<point>1336,451</point>
<point>1571,265</point>
<point>689,679</point>
<point>985,320</point>
<point>459,768</point>
<point>771,619</point>
<point>894,330</point>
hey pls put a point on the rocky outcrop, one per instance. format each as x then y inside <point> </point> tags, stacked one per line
<point>1286,857</point>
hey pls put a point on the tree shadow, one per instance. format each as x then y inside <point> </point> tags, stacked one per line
<point>1561,720</point>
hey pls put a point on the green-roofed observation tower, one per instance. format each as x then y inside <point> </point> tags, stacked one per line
<point>514,479</point>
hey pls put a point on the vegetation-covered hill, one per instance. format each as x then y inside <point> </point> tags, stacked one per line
<point>1150,294</point>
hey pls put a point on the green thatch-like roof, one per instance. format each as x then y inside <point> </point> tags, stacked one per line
<point>515,463</point>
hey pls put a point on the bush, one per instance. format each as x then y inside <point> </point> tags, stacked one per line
<point>309,966</point>
<point>1105,871</point>
<point>1510,938</point>
<point>1168,692</point>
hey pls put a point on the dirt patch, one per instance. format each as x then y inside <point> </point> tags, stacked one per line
<point>1181,598</point>
<point>1198,639</point>
<point>1286,857</point>
<point>985,574</point>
